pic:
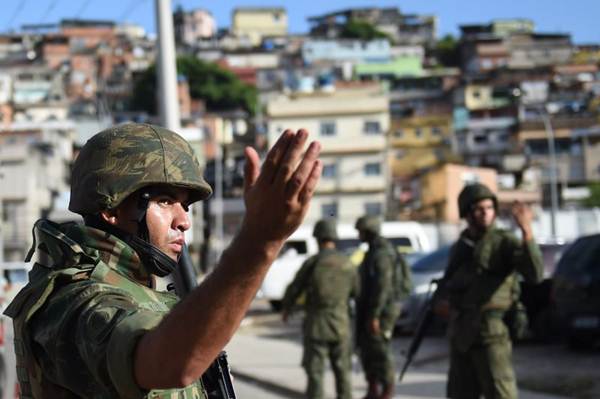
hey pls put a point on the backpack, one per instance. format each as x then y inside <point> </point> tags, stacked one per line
<point>402,276</point>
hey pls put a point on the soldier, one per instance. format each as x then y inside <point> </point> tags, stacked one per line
<point>91,324</point>
<point>327,280</point>
<point>377,309</point>
<point>479,284</point>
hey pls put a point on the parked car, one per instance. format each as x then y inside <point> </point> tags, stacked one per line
<point>576,292</point>
<point>406,236</point>
<point>425,269</point>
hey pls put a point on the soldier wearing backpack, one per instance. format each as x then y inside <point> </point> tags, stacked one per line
<point>385,279</point>
<point>327,280</point>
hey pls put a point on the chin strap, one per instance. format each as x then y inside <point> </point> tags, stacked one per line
<point>155,260</point>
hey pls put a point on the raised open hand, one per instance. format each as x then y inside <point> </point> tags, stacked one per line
<point>277,196</point>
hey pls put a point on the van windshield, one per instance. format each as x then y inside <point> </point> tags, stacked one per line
<point>348,245</point>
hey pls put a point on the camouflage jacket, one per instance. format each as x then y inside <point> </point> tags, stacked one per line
<point>481,277</point>
<point>328,280</point>
<point>79,318</point>
<point>376,276</point>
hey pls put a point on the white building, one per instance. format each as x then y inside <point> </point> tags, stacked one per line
<point>351,125</point>
<point>34,168</point>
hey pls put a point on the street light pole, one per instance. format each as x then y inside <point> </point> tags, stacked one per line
<point>166,65</point>
<point>553,171</point>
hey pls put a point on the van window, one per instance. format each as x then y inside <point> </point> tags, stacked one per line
<point>402,244</point>
<point>348,245</point>
<point>299,246</point>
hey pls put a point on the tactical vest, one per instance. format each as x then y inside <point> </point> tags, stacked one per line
<point>43,282</point>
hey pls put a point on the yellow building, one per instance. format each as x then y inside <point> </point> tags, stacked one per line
<point>419,142</point>
<point>258,23</point>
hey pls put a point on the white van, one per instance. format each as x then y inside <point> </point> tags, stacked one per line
<point>407,236</point>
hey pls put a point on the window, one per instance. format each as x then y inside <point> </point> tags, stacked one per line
<point>329,171</point>
<point>373,169</point>
<point>418,132</point>
<point>328,129</point>
<point>372,127</point>
<point>373,208</point>
<point>436,131</point>
<point>399,133</point>
<point>329,210</point>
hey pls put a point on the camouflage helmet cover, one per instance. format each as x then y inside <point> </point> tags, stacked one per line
<point>368,223</point>
<point>325,229</point>
<point>120,160</point>
<point>472,194</point>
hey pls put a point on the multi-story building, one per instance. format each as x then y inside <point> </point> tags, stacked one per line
<point>193,26</point>
<point>257,23</point>
<point>338,51</point>
<point>34,168</point>
<point>401,28</point>
<point>351,123</point>
<point>513,44</point>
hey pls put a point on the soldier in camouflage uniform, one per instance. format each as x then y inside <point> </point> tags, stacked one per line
<point>90,324</point>
<point>327,280</point>
<point>479,284</point>
<point>377,309</point>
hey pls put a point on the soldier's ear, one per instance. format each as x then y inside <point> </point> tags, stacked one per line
<point>109,216</point>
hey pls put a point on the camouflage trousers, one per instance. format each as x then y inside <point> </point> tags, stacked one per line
<point>376,351</point>
<point>486,367</point>
<point>315,354</point>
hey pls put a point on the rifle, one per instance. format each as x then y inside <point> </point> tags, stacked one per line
<point>217,378</point>
<point>425,320</point>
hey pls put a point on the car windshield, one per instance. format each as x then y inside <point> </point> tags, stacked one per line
<point>581,258</point>
<point>348,245</point>
<point>434,261</point>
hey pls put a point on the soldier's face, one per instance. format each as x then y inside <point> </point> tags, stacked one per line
<point>483,214</point>
<point>166,217</point>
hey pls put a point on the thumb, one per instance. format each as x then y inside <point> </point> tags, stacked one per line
<point>251,168</point>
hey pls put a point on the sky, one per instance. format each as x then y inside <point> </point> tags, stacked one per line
<point>577,17</point>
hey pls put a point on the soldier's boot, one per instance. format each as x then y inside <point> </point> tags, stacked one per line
<point>388,392</point>
<point>372,389</point>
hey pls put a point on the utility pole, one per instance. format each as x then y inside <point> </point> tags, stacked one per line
<point>166,67</point>
<point>553,166</point>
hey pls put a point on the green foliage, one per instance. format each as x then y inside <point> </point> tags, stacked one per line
<point>447,51</point>
<point>594,199</point>
<point>356,29</point>
<point>218,87</point>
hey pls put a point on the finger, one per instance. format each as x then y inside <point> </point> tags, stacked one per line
<point>298,179</point>
<point>275,154</point>
<point>251,168</point>
<point>311,183</point>
<point>291,157</point>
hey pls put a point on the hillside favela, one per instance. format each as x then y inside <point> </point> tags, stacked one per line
<point>419,131</point>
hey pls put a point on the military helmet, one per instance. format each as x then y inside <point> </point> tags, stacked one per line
<point>370,224</point>
<point>120,160</point>
<point>325,229</point>
<point>472,194</point>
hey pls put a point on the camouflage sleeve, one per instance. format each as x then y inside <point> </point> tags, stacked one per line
<point>382,288</point>
<point>298,284</point>
<point>86,338</point>
<point>526,258</point>
<point>355,293</point>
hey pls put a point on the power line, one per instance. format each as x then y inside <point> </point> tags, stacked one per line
<point>15,14</point>
<point>132,6</point>
<point>48,10</point>
<point>82,8</point>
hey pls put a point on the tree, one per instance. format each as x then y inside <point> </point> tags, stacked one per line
<point>447,51</point>
<point>362,30</point>
<point>218,87</point>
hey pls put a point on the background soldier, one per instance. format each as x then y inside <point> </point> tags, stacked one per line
<point>90,324</point>
<point>377,308</point>
<point>479,283</point>
<point>327,280</point>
